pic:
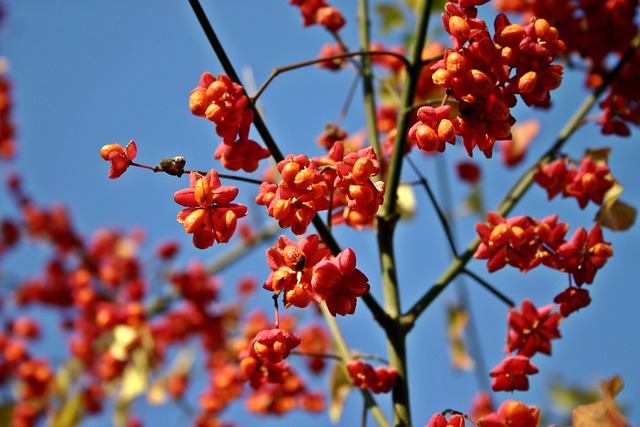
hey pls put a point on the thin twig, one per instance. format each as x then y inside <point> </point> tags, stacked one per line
<point>441,216</point>
<point>489,287</point>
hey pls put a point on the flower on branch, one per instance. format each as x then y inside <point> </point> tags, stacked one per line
<point>511,413</point>
<point>119,157</point>
<point>590,181</point>
<point>338,282</point>
<point>531,330</point>
<point>321,13</point>
<point>438,420</point>
<point>292,268</point>
<point>210,216</point>
<point>511,374</point>
<point>378,380</point>
<point>572,299</point>
<point>275,344</point>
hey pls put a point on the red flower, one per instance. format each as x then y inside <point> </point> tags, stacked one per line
<point>511,414</point>
<point>338,282</point>
<point>468,172</point>
<point>275,344</point>
<point>572,299</point>
<point>120,158</point>
<point>292,264</point>
<point>532,330</point>
<point>511,374</point>
<point>438,420</point>
<point>210,216</point>
<point>378,380</point>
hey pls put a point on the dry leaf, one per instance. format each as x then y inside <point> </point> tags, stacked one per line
<point>339,387</point>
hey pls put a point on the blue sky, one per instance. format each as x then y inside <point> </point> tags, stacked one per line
<point>92,73</point>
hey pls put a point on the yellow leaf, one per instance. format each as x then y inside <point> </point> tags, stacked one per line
<point>123,337</point>
<point>339,387</point>
<point>604,413</point>
<point>458,319</point>
<point>599,155</point>
<point>69,413</point>
<point>406,201</point>
<point>616,216</point>
<point>135,376</point>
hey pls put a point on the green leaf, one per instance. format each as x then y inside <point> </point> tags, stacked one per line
<point>339,387</point>
<point>391,17</point>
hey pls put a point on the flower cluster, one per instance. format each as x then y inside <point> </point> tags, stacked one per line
<point>224,102</point>
<point>304,272</point>
<point>7,142</point>
<point>341,180</point>
<point>525,243</point>
<point>119,157</point>
<point>321,13</point>
<point>530,331</point>
<point>210,216</point>
<point>301,193</point>
<point>378,380</point>
<point>590,181</point>
<point>486,73</point>
<point>595,30</point>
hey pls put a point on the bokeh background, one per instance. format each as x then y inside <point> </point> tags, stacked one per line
<point>87,74</point>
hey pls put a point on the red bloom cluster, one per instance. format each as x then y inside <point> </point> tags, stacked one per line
<point>485,74</point>
<point>378,380</point>
<point>292,266</point>
<point>433,129</point>
<point>119,157</point>
<point>595,30</point>
<point>301,193</point>
<point>224,102</point>
<point>339,283</point>
<point>210,216</point>
<point>438,420</point>
<point>590,181</point>
<point>305,273</point>
<point>511,413</point>
<point>525,243</point>
<point>7,143</point>
<point>308,184</point>
<point>321,13</point>
<point>530,331</point>
<point>356,198</point>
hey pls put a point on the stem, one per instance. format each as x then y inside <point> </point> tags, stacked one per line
<point>441,216</point>
<point>516,193</point>
<point>387,219</point>
<point>345,355</point>
<point>365,53</point>
<point>367,81</point>
<point>188,171</point>
<point>490,288</point>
